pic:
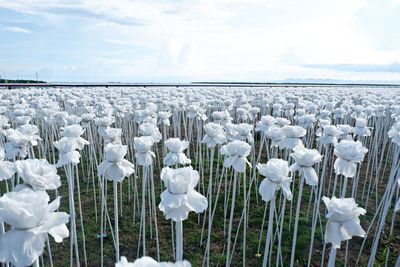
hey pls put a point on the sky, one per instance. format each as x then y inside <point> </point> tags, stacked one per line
<point>200,40</point>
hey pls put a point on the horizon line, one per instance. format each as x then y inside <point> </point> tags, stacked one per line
<point>196,84</point>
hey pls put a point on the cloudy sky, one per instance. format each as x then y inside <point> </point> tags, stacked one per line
<point>200,40</point>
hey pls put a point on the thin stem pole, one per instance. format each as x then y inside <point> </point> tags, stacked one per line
<point>179,240</point>
<point>296,223</point>
<point>115,185</point>
<point>228,248</point>
<point>269,231</point>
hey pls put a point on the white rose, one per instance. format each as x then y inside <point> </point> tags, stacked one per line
<point>276,172</point>
<point>180,197</point>
<point>236,152</point>
<point>72,131</point>
<point>175,154</point>
<point>144,156</point>
<point>348,154</point>
<point>215,134</point>
<point>343,222</point>
<point>304,160</point>
<point>115,167</point>
<point>38,173</point>
<point>32,219</point>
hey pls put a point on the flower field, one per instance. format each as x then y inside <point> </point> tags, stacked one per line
<point>200,176</point>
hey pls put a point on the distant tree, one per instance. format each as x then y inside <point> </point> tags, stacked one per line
<point>20,81</point>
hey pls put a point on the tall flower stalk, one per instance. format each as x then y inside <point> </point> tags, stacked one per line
<point>236,152</point>
<point>179,199</point>
<point>115,168</point>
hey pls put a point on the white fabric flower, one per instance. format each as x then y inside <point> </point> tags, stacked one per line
<point>67,151</point>
<point>242,113</point>
<point>265,123</point>
<point>380,110</point>
<point>144,155</point>
<point>217,116</point>
<point>221,117</point>
<point>277,109</point>
<point>306,121</point>
<point>195,111</point>
<point>348,154</point>
<point>282,122</point>
<point>87,118</point>
<point>73,119</point>
<point>21,120</point>
<point>74,133</point>
<point>299,112</point>
<point>343,222</point>
<point>103,123</point>
<point>31,132</point>
<point>321,125</point>
<point>58,117</point>
<point>38,173</point>
<point>163,117</point>
<point>292,135</point>
<point>31,218</point>
<point>304,160</point>
<point>7,168</point>
<point>231,131</point>
<point>275,134</point>
<point>330,136</point>
<point>276,172</point>
<point>115,167</point>
<point>175,152</point>
<point>112,135</point>
<point>324,114</point>
<point>345,131</point>
<point>236,152</point>
<point>215,135</point>
<point>358,112</point>
<point>146,261</point>
<point>69,144</point>
<point>289,110</point>
<point>243,132</point>
<point>361,129</point>
<point>16,145</point>
<point>180,196</point>
<point>150,129</point>
<point>394,133</point>
<point>338,113</point>
<point>253,112</point>
<point>4,121</point>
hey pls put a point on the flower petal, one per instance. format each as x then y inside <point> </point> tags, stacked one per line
<point>59,233</point>
<point>196,201</point>
<point>354,228</point>
<point>333,234</point>
<point>285,185</point>
<point>310,175</point>
<point>267,189</point>
<point>21,248</point>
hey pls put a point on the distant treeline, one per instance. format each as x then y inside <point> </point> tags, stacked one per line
<point>20,81</point>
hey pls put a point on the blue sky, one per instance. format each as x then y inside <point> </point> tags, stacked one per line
<point>200,40</point>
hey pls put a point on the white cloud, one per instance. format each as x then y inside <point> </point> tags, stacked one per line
<point>17,29</point>
<point>115,41</point>
<point>229,39</point>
